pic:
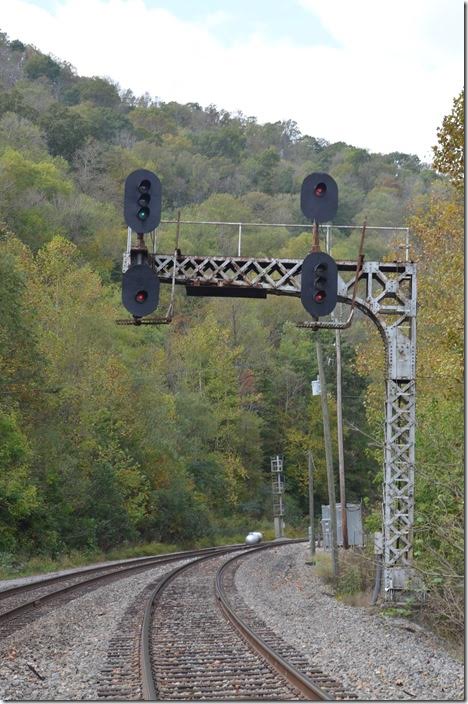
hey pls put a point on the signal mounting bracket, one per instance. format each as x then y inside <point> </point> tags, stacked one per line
<point>332,324</point>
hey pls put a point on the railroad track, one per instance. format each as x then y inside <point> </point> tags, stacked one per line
<point>24,603</point>
<point>201,642</point>
<point>188,635</point>
<point>273,647</point>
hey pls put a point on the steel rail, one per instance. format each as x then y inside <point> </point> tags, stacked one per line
<point>301,682</point>
<point>147,679</point>
<point>134,568</point>
<point>166,557</point>
<point>148,686</point>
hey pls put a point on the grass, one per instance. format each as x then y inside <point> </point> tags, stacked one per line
<point>323,566</point>
<point>355,579</point>
<point>13,566</point>
<point>18,566</point>
<point>355,584</point>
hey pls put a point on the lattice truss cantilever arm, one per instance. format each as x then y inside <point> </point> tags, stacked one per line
<point>385,288</point>
<point>386,292</point>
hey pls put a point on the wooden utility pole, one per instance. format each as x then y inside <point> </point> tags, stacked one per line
<point>310,463</point>
<point>339,422</point>
<point>328,455</point>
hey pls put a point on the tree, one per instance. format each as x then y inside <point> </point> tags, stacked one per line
<point>18,496</point>
<point>99,91</point>
<point>66,131</point>
<point>28,194</point>
<point>439,497</point>
<point>27,137</point>
<point>11,61</point>
<point>40,65</point>
<point>449,154</point>
<point>151,123</point>
<point>263,169</point>
<point>228,141</point>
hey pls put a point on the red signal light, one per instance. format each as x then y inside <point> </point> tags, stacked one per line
<point>320,296</point>
<point>320,189</point>
<point>141,296</point>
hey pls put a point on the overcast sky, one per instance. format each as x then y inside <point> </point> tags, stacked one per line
<point>375,74</point>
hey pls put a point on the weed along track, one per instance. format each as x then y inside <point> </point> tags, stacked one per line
<point>192,647</point>
<point>20,605</point>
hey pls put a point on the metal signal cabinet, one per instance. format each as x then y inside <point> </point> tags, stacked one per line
<point>354,521</point>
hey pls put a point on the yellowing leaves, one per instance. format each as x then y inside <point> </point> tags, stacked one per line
<point>19,174</point>
<point>439,236</point>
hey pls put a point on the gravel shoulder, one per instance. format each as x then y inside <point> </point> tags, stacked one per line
<point>377,657</point>
<point>60,656</point>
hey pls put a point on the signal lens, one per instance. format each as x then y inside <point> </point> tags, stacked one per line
<point>144,199</point>
<point>141,296</point>
<point>320,190</point>
<point>320,296</point>
<point>144,186</point>
<point>143,213</point>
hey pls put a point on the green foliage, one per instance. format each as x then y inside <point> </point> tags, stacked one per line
<point>20,174</point>
<point>449,153</point>
<point>181,515</point>
<point>228,141</point>
<point>397,612</point>
<point>356,575</point>
<point>350,581</point>
<point>13,101</point>
<point>165,434</point>
<point>40,65</point>
<point>65,130</point>
<point>98,91</point>
<point>18,497</point>
<point>24,134</point>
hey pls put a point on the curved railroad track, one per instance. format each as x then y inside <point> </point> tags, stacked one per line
<point>24,603</point>
<point>271,645</point>
<point>187,636</point>
<point>201,642</point>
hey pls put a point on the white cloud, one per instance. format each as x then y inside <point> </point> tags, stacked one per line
<point>385,87</point>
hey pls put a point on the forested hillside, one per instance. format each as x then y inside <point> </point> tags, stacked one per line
<point>113,434</point>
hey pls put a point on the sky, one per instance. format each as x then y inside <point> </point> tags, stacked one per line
<point>378,75</point>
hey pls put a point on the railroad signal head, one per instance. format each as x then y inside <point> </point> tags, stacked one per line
<point>140,290</point>
<point>319,284</point>
<point>319,197</point>
<point>142,201</point>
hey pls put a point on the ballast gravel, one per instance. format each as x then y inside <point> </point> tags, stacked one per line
<point>59,657</point>
<point>379,658</point>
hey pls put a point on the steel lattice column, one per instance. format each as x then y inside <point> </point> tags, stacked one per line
<point>400,427</point>
<point>398,499</point>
